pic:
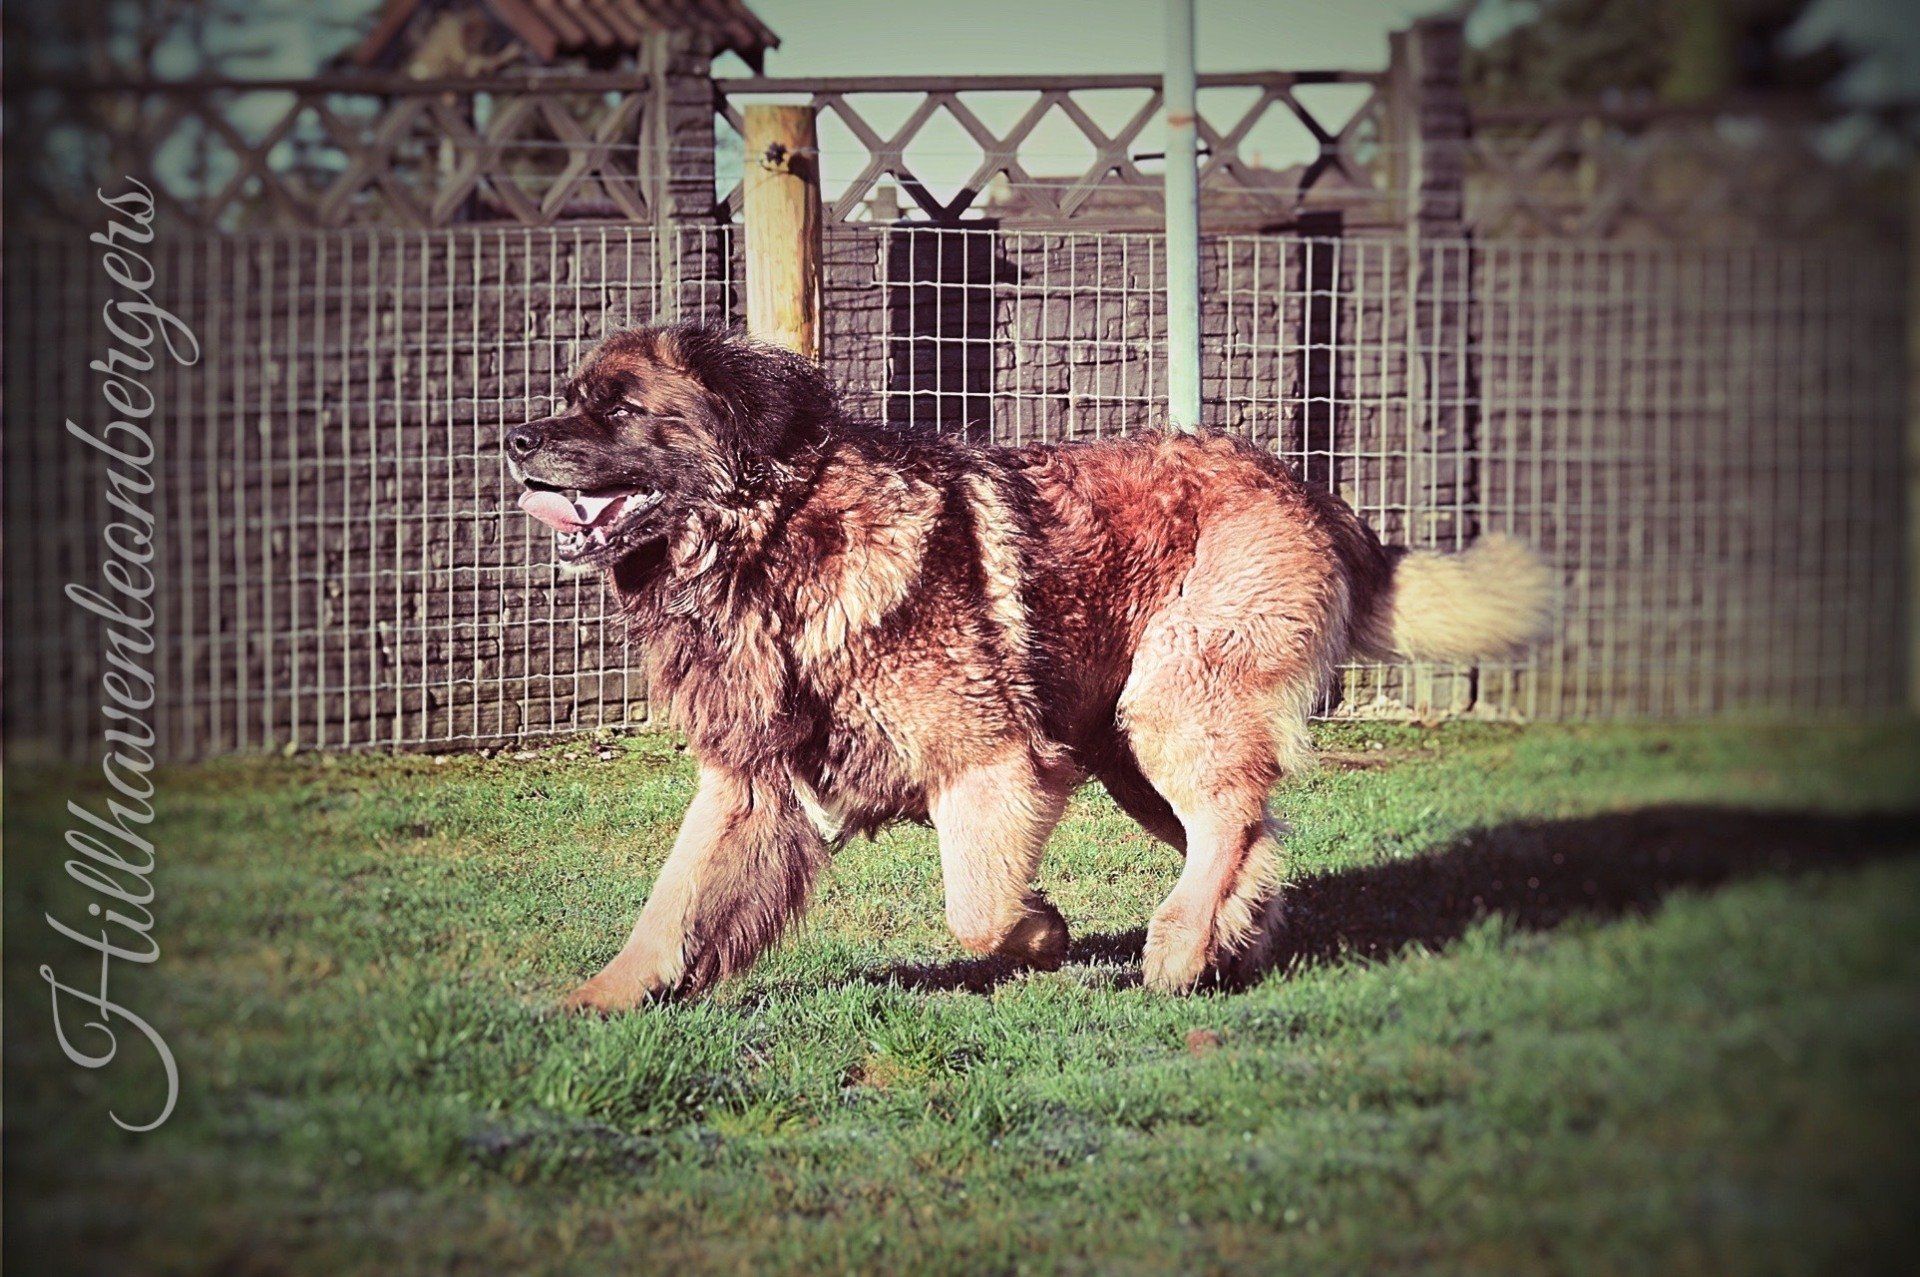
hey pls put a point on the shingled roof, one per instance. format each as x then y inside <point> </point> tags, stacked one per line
<point>552,30</point>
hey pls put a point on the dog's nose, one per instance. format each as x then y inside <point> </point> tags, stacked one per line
<point>522,442</point>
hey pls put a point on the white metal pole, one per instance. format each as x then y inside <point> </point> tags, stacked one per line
<point>1183,222</point>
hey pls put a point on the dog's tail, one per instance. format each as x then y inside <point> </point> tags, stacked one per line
<point>1488,601</point>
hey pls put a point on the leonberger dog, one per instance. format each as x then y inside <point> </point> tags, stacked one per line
<point>856,623</point>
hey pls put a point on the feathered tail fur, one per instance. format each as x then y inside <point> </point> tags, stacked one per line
<point>1487,601</point>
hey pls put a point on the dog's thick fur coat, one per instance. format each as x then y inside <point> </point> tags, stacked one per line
<point>855,624</point>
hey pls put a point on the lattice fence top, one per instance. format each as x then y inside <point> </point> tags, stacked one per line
<point>362,150</point>
<point>1340,170</point>
<point>1279,150</point>
<point>353,150</point>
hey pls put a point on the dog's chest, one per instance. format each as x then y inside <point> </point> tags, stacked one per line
<point>827,814</point>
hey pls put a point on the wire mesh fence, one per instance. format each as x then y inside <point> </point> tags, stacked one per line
<point>341,564</point>
<point>1704,440</point>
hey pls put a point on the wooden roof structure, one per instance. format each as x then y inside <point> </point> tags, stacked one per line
<point>550,31</point>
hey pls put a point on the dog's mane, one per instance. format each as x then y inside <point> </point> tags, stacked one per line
<point>785,402</point>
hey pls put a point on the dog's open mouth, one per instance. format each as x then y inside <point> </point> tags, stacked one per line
<point>590,521</point>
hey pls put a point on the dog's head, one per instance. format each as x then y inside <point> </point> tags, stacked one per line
<point>659,424</point>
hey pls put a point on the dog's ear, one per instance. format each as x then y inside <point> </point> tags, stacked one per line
<point>772,400</point>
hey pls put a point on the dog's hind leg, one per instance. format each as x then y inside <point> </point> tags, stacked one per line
<point>993,822</point>
<point>1216,777</point>
<point>1216,710</point>
<point>740,869</point>
<point>1119,772</point>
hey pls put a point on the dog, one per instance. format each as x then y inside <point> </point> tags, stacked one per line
<point>856,624</point>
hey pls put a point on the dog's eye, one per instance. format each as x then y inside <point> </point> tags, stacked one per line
<point>624,411</point>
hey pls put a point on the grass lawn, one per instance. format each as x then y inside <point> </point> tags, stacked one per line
<point>1559,999</point>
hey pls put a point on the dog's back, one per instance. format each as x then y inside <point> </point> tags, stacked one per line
<point>1133,527</point>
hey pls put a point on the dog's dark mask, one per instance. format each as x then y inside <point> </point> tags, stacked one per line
<point>659,423</point>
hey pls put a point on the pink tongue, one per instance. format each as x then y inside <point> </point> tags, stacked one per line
<point>553,510</point>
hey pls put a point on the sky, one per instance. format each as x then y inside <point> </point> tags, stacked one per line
<point>906,37</point>
<point>889,37</point>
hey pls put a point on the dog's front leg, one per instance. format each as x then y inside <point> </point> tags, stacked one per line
<point>993,821</point>
<point>742,866</point>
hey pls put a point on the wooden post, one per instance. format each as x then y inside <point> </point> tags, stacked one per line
<point>782,189</point>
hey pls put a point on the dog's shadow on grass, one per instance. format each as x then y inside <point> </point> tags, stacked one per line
<point>1536,874</point>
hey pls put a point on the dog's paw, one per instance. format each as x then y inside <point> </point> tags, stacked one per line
<point>1248,965</point>
<point>601,997</point>
<point>1176,956</point>
<point>637,975</point>
<point>1040,940</point>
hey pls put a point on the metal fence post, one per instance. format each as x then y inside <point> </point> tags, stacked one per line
<point>1182,205</point>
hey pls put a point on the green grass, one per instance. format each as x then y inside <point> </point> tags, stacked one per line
<point>1559,1000</point>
